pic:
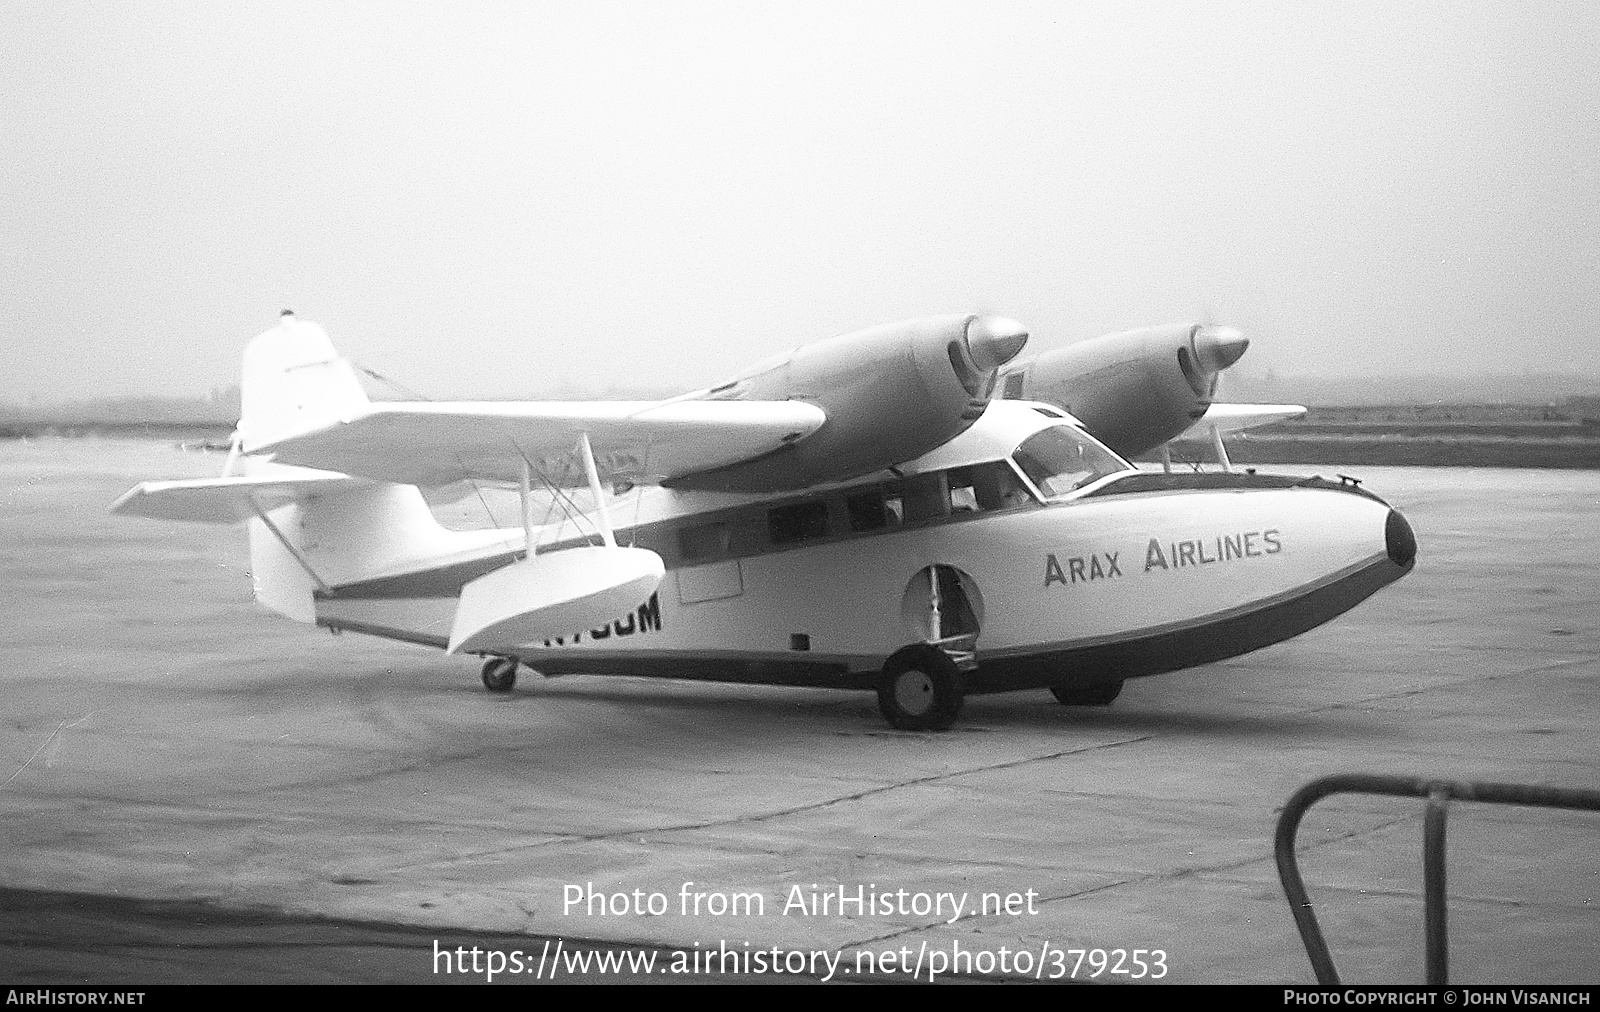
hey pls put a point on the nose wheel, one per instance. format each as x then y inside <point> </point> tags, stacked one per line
<point>500,674</point>
<point>920,689</point>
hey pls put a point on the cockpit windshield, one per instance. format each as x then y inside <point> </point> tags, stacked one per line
<point>1061,459</point>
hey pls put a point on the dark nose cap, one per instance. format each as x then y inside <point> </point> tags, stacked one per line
<point>1401,540</point>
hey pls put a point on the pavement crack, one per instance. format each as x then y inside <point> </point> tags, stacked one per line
<point>741,820</point>
<point>1451,683</point>
<point>54,737</point>
<point>1454,898</point>
<point>869,792</point>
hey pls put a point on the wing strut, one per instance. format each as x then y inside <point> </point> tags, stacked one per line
<point>233,454</point>
<point>1222,451</point>
<point>525,489</point>
<point>594,487</point>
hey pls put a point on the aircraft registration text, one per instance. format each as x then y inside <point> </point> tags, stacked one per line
<point>646,619</point>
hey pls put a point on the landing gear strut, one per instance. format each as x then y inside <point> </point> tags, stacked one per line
<point>500,674</point>
<point>1098,694</point>
<point>920,689</point>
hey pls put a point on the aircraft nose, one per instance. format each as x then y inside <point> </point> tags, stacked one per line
<point>1216,348</point>
<point>992,341</point>
<point>1400,539</point>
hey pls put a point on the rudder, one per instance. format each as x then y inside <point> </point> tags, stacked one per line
<point>293,380</point>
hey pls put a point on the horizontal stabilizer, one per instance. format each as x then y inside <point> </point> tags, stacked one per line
<point>437,443</point>
<point>228,500</point>
<point>1228,418</point>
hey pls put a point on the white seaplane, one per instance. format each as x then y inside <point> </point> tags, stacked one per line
<point>857,514</point>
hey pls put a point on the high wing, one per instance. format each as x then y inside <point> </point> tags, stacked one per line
<point>1228,418</point>
<point>1223,418</point>
<point>432,444</point>
<point>303,405</point>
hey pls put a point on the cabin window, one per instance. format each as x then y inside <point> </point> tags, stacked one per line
<point>1061,459</point>
<point>924,497</point>
<point>991,486</point>
<point>800,521</point>
<point>963,499</point>
<point>703,541</point>
<point>1013,388</point>
<point>868,511</point>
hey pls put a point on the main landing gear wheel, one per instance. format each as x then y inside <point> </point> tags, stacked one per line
<point>1099,694</point>
<point>920,689</point>
<point>500,674</point>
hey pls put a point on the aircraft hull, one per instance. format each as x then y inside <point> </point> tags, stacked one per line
<point>1073,593</point>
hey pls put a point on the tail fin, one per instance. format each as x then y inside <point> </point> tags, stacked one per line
<point>293,381</point>
<point>308,529</point>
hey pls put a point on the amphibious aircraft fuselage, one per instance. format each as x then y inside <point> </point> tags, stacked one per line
<point>859,513</point>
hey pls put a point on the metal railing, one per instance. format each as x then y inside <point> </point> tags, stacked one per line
<point>1439,794</point>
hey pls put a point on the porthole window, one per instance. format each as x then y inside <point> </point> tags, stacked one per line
<point>799,521</point>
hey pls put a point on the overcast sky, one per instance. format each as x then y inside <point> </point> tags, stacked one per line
<point>491,199</point>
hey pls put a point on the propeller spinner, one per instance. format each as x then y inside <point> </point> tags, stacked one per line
<point>1216,348</point>
<point>992,341</point>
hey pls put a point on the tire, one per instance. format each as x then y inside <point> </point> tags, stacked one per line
<point>1098,694</point>
<point>920,689</point>
<point>500,674</point>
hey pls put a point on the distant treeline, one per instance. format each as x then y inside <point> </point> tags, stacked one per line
<point>1435,435</point>
<point>1251,449</point>
<point>208,433</point>
<point>1370,391</point>
<point>221,408</point>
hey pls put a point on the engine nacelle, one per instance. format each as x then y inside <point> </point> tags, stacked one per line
<point>1134,390</point>
<point>891,394</point>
